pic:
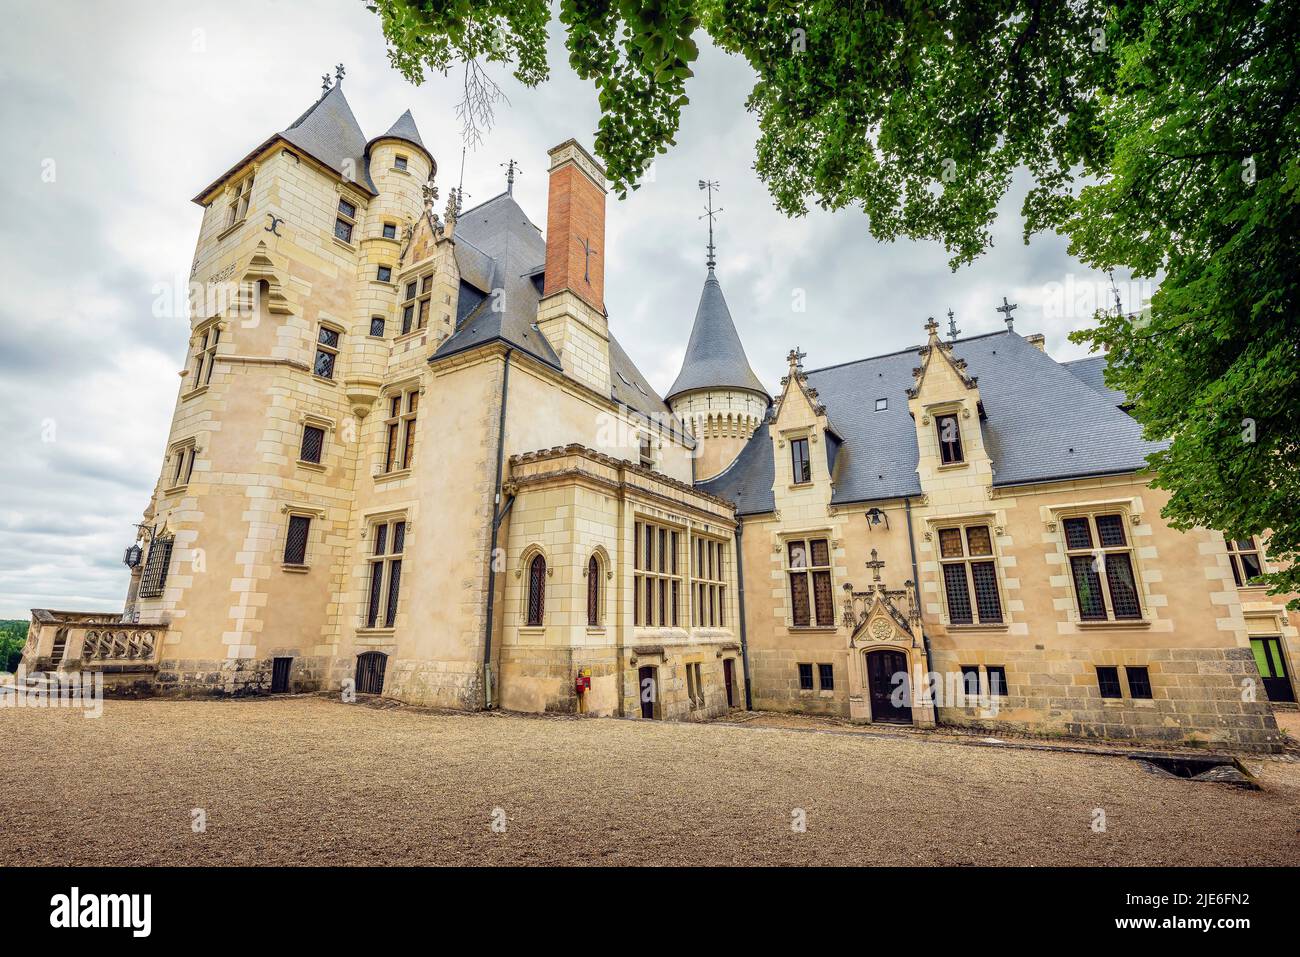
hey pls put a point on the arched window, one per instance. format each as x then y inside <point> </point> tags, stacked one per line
<point>593,592</point>
<point>536,590</point>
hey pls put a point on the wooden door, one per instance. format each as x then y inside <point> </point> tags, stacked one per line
<point>882,666</point>
<point>280,675</point>
<point>1272,668</point>
<point>728,676</point>
<point>648,689</point>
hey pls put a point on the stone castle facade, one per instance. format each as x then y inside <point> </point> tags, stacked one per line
<point>410,457</point>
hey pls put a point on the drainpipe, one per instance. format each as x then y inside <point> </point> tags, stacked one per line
<point>497,515</point>
<point>916,579</point>
<point>740,595</point>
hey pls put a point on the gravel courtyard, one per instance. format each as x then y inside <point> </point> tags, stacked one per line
<point>309,780</point>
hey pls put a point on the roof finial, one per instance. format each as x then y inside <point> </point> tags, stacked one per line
<point>953,331</point>
<point>1006,309</point>
<point>339,71</point>
<point>710,212</point>
<point>795,358</point>
<point>1119,308</point>
<point>325,82</point>
<point>511,168</point>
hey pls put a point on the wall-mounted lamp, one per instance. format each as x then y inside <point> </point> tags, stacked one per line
<point>876,518</point>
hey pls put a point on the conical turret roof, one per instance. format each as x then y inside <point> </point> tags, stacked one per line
<point>403,129</point>
<point>715,359</point>
<point>328,132</point>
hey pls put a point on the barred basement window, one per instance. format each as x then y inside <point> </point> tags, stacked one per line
<point>1094,542</point>
<point>970,679</point>
<point>536,591</point>
<point>656,581</point>
<point>313,443</point>
<point>1247,560</point>
<point>377,327</point>
<point>950,450</point>
<point>970,578</point>
<point>327,351</point>
<point>809,571</point>
<point>205,355</point>
<point>385,572</point>
<point>1139,682</point>
<point>240,196</point>
<point>154,578</point>
<point>709,576</point>
<point>399,448</point>
<point>1108,682</point>
<point>826,677</point>
<point>295,541</point>
<point>805,677</point>
<point>799,461</point>
<point>997,680</point>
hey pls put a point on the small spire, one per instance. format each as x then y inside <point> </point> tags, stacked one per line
<point>1006,309</point>
<point>932,330</point>
<point>795,358</point>
<point>710,213</point>
<point>953,331</point>
<point>511,168</point>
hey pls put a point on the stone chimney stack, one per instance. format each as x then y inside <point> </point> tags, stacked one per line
<point>572,312</point>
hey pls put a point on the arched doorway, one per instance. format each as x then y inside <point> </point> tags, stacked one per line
<point>370,672</point>
<point>884,665</point>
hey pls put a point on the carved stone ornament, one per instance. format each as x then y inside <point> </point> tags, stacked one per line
<point>882,630</point>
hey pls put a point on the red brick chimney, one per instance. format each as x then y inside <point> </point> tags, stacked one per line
<point>575,226</point>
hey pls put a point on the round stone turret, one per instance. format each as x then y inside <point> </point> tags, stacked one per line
<point>716,394</point>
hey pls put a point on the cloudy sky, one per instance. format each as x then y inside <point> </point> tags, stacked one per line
<point>115,114</point>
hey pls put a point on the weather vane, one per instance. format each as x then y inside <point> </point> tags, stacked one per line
<point>953,331</point>
<point>710,212</point>
<point>511,169</point>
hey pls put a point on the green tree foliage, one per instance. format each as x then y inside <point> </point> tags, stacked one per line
<point>13,635</point>
<point>1160,136</point>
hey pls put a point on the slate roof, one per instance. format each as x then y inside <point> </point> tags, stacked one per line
<point>499,247</point>
<point>329,133</point>
<point>714,356</point>
<point>403,129</point>
<point>1091,370</point>
<point>1044,423</point>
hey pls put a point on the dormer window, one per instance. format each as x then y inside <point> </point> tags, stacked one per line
<point>950,450</point>
<point>800,462</point>
<point>882,405</point>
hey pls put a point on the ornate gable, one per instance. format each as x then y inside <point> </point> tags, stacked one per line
<point>936,347</point>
